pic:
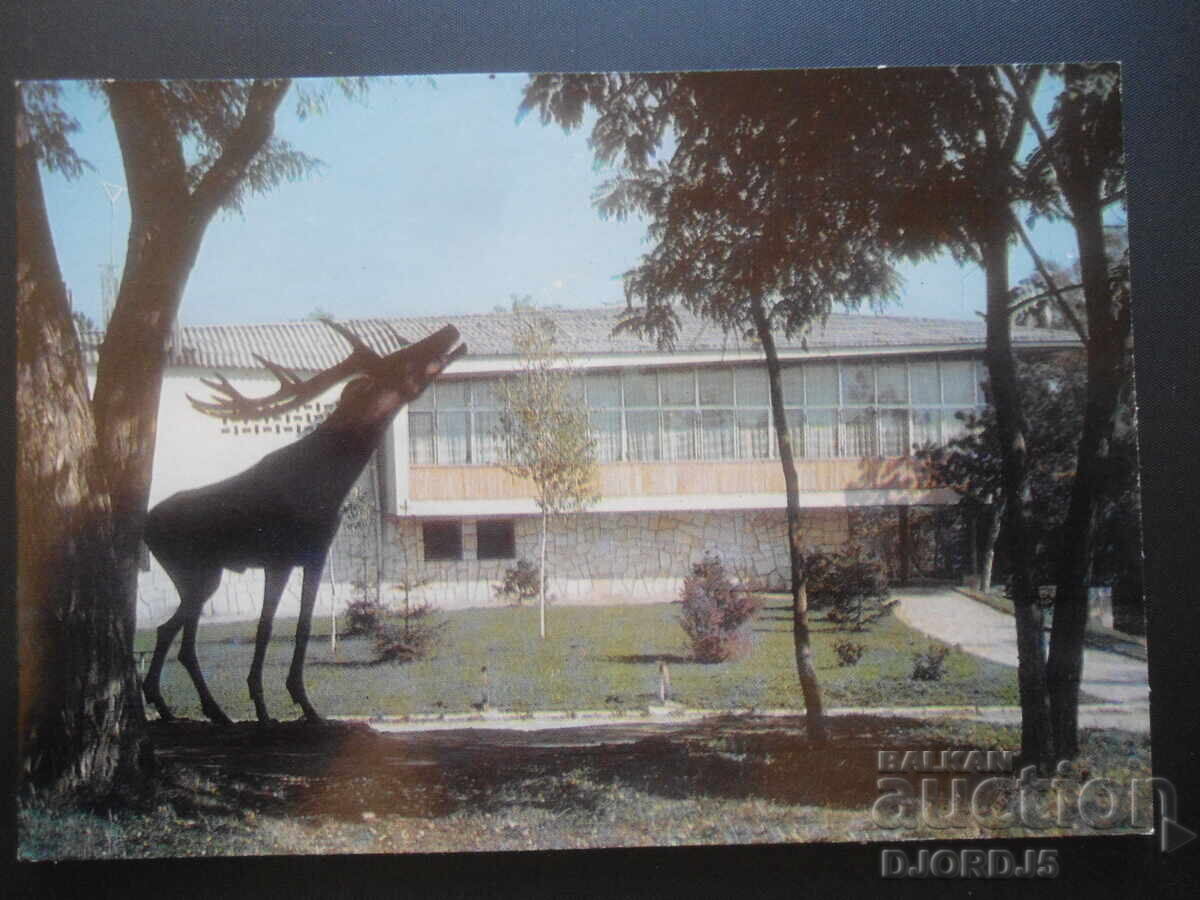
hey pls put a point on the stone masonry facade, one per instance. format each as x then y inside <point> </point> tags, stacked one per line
<point>615,558</point>
<point>594,558</point>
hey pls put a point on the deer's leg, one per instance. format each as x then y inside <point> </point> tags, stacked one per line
<point>308,599</point>
<point>166,636</point>
<point>274,581</point>
<point>201,588</point>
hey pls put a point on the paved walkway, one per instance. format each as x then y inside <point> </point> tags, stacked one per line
<point>955,618</point>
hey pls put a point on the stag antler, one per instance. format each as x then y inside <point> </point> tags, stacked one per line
<point>293,390</point>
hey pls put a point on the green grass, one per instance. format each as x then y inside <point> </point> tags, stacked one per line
<point>592,658</point>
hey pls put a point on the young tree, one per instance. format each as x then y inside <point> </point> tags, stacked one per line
<point>189,149</point>
<point>546,432</point>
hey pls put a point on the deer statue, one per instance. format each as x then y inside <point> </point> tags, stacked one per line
<point>283,511</point>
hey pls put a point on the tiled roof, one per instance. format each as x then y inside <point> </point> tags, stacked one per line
<point>310,345</point>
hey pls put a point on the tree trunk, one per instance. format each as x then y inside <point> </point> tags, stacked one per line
<point>168,217</point>
<point>801,639</point>
<point>995,516</point>
<point>1011,426</point>
<point>904,536</point>
<point>1108,333</point>
<point>80,718</point>
<point>542,577</point>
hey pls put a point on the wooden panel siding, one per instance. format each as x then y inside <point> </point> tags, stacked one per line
<point>679,478</point>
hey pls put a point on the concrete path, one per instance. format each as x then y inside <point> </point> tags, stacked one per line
<point>955,618</point>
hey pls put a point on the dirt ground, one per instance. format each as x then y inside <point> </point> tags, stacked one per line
<point>348,770</point>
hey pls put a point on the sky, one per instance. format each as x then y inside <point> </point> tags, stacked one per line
<point>434,197</point>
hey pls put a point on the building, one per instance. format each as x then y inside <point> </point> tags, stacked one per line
<point>688,459</point>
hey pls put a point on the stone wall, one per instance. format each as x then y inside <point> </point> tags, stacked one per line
<point>607,558</point>
<point>595,558</point>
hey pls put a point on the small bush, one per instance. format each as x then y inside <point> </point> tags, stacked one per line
<point>413,636</point>
<point>849,653</point>
<point>930,665</point>
<point>522,582</point>
<point>850,585</point>
<point>714,611</point>
<point>364,615</point>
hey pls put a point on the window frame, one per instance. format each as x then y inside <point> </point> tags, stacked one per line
<point>510,539</point>
<point>425,542</point>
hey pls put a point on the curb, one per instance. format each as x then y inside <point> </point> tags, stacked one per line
<point>677,715</point>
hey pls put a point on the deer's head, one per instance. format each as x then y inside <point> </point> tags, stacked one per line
<point>383,385</point>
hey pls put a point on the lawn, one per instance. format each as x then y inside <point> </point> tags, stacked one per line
<point>593,658</point>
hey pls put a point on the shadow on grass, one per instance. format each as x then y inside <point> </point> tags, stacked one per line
<point>342,770</point>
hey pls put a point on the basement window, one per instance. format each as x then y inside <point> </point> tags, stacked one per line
<point>442,540</point>
<point>496,539</point>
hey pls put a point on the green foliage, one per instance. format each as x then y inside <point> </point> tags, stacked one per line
<point>714,611</point>
<point>850,585</point>
<point>413,637</point>
<point>364,615</point>
<point>848,653</point>
<point>545,429</point>
<point>521,582</point>
<point>1053,388</point>
<point>930,665</point>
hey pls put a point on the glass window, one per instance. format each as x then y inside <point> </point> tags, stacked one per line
<point>486,394</point>
<point>858,432</point>
<point>489,439</point>
<point>791,379</point>
<point>717,434</point>
<point>603,391</point>
<point>716,387</point>
<point>754,438</point>
<point>641,388</point>
<point>820,432</point>
<point>923,376</point>
<point>926,426</point>
<point>420,438</point>
<point>820,384</point>
<point>606,430</point>
<point>891,380</point>
<point>453,431</point>
<point>495,539</point>
<point>679,434</point>
<point>442,540</point>
<point>858,384</point>
<point>678,388</point>
<point>452,394</point>
<point>893,432</point>
<point>642,435</point>
<point>958,382</point>
<point>751,386</point>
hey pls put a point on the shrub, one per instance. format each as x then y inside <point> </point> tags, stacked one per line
<point>850,585</point>
<point>413,636</point>
<point>849,653</point>
<point>364,615</point>
<point>714,611</point>
<point>522,582</point>
<point>930,665</point>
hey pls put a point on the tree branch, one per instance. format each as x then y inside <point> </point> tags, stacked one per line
<point>252,133</point>
<point>1063,305</point>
